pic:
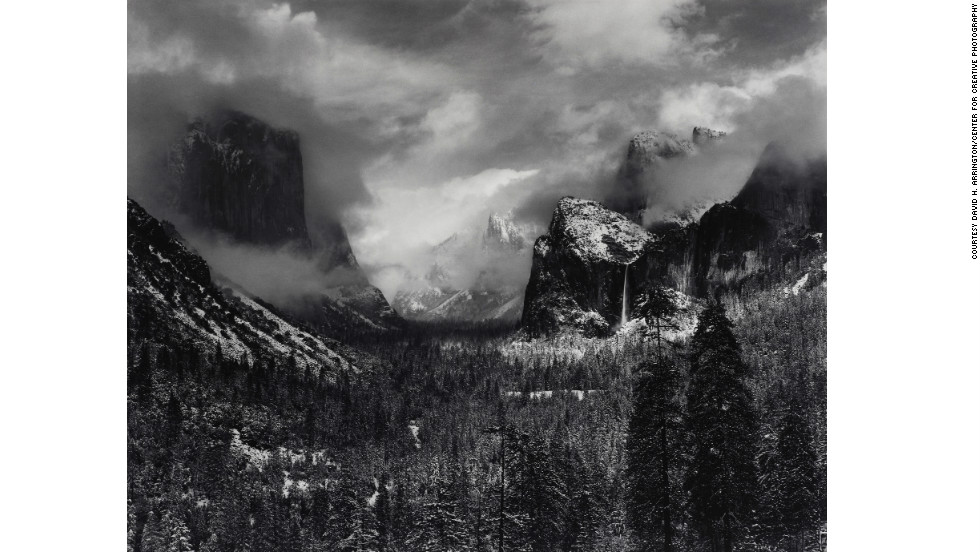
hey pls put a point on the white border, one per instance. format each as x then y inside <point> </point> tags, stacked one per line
<point>904,311</point>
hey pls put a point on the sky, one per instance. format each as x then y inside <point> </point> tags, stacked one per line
<point>418,118</point>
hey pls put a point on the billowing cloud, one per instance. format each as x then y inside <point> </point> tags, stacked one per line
<point>413,113</point>
<point>584,32</point>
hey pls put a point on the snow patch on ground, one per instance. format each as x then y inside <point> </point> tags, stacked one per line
<point>578,394</point>
<point>414,429</point>
<point>797,287</point>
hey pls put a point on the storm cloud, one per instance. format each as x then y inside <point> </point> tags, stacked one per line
<point>419,117</point>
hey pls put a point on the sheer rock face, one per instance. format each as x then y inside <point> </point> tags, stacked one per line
<point>777,221</point>
<point>236,175</point>
<point>579,268</point>
<point>172,300</point>
<point>787,192</point>
<point>774,227</point>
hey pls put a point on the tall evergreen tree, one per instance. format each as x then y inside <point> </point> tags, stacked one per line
<point>654,455</point>
<point>722,423</point>
<point>178,536</point>
<point>796,475</point>
<point>153,538</point>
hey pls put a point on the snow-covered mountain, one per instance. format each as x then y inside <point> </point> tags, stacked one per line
<point>173,301</point>
<point>476,275</point>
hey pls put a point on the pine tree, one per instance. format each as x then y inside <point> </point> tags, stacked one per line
<point>152,539</point>
<point>401,513</point>
<point>363,536</point>
<point>178,536</point>
<point>654,454</point>
<point>382,514</point>
<point>344,506</point>
<point>582,521</point>
<point>796,475</point>
<point>722,424</point>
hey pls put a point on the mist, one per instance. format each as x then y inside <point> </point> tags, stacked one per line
<point>794,117</point>
<point>417,121</point>
<point>284,276</point>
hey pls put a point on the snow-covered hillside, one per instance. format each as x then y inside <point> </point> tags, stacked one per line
<point>171,295</point>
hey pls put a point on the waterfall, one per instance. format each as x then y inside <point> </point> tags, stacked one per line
<point>622,316</point>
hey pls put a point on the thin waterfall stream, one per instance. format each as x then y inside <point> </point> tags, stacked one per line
<point>622,316</point>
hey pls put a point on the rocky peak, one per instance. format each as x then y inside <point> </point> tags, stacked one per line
<point>503,233</point>
<point>649,146</point>
<point>705,135</point>
<point>171,297</point>
<point>472,275</point>
<point>636,186</point>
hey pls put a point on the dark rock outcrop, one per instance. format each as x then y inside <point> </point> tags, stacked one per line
<point>777,221</point>
<point>580,269</point>
<point>236,175</point>
<point>787,192</point>
<point>705,135</point>
<point>239,176</point>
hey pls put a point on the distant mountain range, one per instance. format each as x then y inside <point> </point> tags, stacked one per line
<point>470,279</point>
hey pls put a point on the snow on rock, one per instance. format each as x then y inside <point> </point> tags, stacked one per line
<point>579,270</point>
<point>596,233</point>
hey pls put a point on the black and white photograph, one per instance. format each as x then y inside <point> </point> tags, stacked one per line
<point>509,276</point>
<point>488,276</point>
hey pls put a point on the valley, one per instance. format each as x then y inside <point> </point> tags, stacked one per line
<point>475,412</point>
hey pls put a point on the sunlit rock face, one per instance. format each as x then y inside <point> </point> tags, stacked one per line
<point>593,257</point>
<point>579,269</point>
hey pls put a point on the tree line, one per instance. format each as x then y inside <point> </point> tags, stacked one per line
<point>680,448</point>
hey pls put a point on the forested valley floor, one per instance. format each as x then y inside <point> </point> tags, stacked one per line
<point>475,439</point>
